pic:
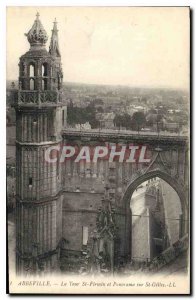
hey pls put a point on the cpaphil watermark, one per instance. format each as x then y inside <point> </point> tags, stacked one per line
<point>120,153</point>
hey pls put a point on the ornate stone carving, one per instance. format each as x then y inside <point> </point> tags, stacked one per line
<point>37,34</point>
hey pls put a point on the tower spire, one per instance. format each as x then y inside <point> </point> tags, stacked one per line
<point>54,43</point>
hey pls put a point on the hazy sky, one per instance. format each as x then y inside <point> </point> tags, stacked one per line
<point>128,46</point>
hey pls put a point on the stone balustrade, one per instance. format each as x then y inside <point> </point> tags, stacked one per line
<point>37,97</point>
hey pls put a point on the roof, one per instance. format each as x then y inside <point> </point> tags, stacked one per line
<point>37,34</point>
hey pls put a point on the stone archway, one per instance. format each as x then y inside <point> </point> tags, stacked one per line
<point>131,188</point>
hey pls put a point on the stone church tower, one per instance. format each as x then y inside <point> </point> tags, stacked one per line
<point>40,118</point>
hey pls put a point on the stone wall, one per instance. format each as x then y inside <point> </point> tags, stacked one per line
<point>141,245</point>
<point>79,209</point>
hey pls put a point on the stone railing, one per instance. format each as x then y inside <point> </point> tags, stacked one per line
<point>38,97</point>
<point>109,134</point>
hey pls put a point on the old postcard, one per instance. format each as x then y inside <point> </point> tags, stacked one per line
<point>98,114</point>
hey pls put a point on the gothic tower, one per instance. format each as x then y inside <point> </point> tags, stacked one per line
<point>39,121</point>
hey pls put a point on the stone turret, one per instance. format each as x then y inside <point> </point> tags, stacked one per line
<point>39,117</point>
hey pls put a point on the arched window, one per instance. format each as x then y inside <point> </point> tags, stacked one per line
<point>23,84</point>
<point>22,69</point>
<point>45,69</point>
<point>63,117</point>
<point>44,84</point>
<point>31,70</point>
<point>84,235</point>
<point>32,84</point>
<point>59,82</point>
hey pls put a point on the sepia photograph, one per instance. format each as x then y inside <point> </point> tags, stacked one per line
<point>98,150</point>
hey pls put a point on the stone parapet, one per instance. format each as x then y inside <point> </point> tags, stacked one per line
<point>26,97</point>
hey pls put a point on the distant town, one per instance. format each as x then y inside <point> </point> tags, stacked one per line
<point>92,106</point>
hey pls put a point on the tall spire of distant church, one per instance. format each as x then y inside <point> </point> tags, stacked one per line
<point>54,43</point>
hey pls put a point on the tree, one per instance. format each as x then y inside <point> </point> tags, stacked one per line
<point>94,123</point>
<point>100,109</point>
<point>126,121</point>
<point>122,121</point>
<point>138,120</point>
<point>81,115</point>
<point>117,121</point>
